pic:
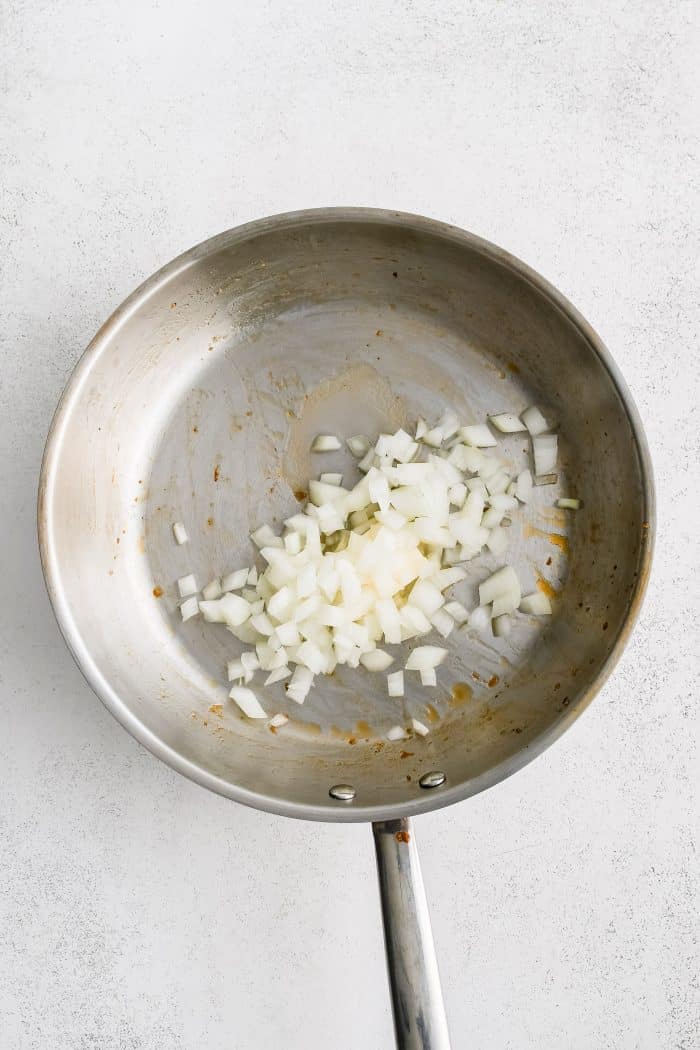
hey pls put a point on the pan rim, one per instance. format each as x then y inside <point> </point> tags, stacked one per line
<point>332,812</point>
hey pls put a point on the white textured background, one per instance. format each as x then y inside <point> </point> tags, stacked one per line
<point>138,912</point>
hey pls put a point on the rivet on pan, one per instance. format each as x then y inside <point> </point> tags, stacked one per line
<point>342,792</point>
<point>433,779</point>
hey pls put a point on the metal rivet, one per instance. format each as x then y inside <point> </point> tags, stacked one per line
<point>433,779</point>
<point>342,792</point>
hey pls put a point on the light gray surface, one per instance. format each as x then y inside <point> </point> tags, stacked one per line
<point>138,912</point>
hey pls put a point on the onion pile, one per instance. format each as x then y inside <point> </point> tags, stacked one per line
<point>369,566</point>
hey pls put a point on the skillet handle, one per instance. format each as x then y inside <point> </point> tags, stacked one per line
<point>416,997</point>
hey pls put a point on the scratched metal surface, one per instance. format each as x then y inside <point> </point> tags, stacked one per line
<point>198,401</point>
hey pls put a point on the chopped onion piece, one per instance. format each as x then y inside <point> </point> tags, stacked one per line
<point>502,625</point>
<point>234,670</point>
<point>480,618</point>
<point>442,622</point>
<point>300,684</point>
<point>544,451</point>
<point>547,479</point>
<point>212,590</point>
<point>325,443</point>
<point>566,503</point>
<point>478,435</point>
<point>278,675</point>
<point>180,533</point>
<point>419,727</point>
<point>433,437</point>
<point>421,429</point>
<point>501,582</point>
<point>292,543</point>
<point>358,445</point>
<point>426,597</point>
<point>279,720</point>
<point>396,733</point>
<point>534,420</point>
<point>247,701</point>
<point>537,604</point>
<point>187,585</point>
<point>503,502</point>
<point>231,609</point>
<point>234,580</point>
<point>497,542</point>
<point>394,683</point>
<point>250,661</point>
<point>253,577</point>
<point>428,677</point>
<point>189,608</point>
<point>367,460</point>
<point>492,518</point>
<point>331,479</point>
<point>424,657</point>
<point>523,486</point>
<point>377,660</point>
<point>507,423</point>
<point>458,612</point>
<point>458,494</point>
<point>265,537</point>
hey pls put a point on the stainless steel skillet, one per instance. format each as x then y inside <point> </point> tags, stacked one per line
<point>197,401</point>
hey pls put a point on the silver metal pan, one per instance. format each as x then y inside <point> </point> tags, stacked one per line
<point>197,401</point>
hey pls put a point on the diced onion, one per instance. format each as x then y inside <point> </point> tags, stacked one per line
<point>523,486</point>
<point>187,585</point>
<point>212,590</point>
<point>424,657</point>
<point>442,622</point>
<point>300,684</point>
<point>376,660</point>
<point>566,503</point>
<point>396,733</point>
<point>278,720</point>
<point>507,423</point>
<point>537,604</point>
<point>189,608</point>
<point>478,435</point>
<point>247,701</point>
<point>479,618</point>
<point>544,451</point>
<point>358,445</point>
<point>325,443</point>
<point>457,611</point>
<point>394,682</point>
<point>369,564</point>
<point>534,420</point>
<point>419,728</point>
<point>233,581</point>
<point>180,533</point>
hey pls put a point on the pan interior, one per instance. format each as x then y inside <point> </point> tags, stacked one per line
<point>198,403</point>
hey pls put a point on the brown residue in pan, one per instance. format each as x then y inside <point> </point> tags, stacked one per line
<point>547,588</point>
<point>493,681</point>
<point>403,836</point>
<point>432,714</point>
<point>406,754</point>
<point>217,472</point>
<point>218,710</point>
<point>461,694</point>
<point>157,592</point>
<point>559,541</point>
